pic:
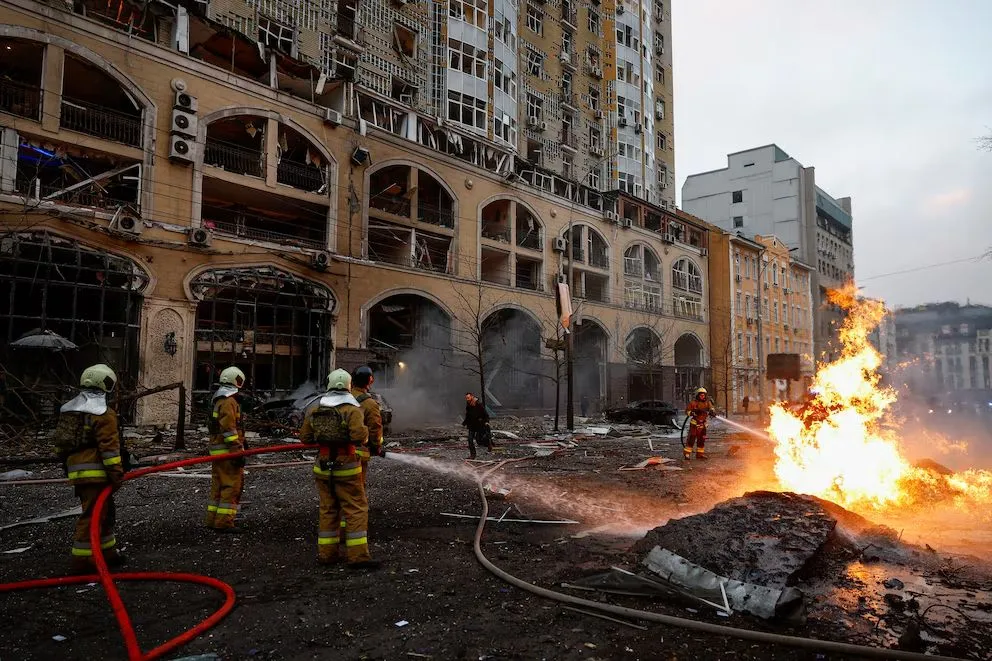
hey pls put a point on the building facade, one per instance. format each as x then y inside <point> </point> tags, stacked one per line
<point>183,189</point>
<point>761,303</point>
<point>944,352</point>
<point>765,191</point>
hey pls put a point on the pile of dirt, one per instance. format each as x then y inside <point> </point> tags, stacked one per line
<point>761,537</point>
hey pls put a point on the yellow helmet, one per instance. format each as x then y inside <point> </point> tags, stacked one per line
<point>232,376</point>
<point>701,391</point>
<point>339,380</point>
<point>98,376</point>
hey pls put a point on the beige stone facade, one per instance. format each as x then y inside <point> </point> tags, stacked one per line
<point>172,215</point>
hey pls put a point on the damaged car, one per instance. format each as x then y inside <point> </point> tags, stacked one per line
<point>653,411</point>
<point>290,411</point>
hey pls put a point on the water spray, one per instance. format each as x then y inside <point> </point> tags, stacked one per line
<point>750,430</point>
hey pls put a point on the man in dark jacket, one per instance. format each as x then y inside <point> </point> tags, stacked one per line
<point>477,422</point>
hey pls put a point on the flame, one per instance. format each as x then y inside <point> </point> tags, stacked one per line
<point>836,447</point>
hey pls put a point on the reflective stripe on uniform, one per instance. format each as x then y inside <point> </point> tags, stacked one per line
<point>227,508</point>
<point>111,458</point>
<point>356,538</point>
<point>211,507</point>
<point>347,470</point>
<point>364,454</point>
<point>231,437</point>
<point>319,472</point>
<point>328,538</point>
<point>219,449</point>
<point>84,471</point>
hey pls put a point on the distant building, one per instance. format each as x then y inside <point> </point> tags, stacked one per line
<point>945,349</point>
<point>765,191</point>
<point>883,338</point>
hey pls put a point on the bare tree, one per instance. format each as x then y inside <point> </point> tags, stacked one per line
<point>985,141</point>
<point>471,328</point>
<point>650,346</point>
<point>724,368</point>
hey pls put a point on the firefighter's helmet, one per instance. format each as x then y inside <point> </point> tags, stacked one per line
<point>700,391</point>
<point>98,376</point>
<point>339,380</point>
<point>232,376</point>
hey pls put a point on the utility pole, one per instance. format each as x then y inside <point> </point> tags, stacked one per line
<point>570,383</point>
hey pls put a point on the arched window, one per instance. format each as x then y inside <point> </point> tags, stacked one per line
<point>687,276</point>
<point>589,251</point>
<point>642,278</point>
<point>512,240</point>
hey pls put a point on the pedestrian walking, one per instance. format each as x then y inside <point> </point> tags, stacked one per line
<point>477,423</point>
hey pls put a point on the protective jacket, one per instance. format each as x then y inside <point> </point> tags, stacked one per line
<point>373,420</point>
<point>227,435</point>
<point>700,411</point>
<point>336,424</point>
<point>227,432</point>
<point>88,438</point>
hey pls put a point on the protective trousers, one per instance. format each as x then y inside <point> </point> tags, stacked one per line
<point>342,498</point>
<point>697,437</point>
<point>227,479</point>
<point>82,551</point>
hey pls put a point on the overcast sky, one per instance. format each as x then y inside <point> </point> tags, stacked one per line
<point>883,97</point>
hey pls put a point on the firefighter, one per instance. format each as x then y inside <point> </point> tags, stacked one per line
<point>227,435</point>
<point>361,386</point>
<point>336,424</point>
<point>88,441</point>
<point>698,410</point>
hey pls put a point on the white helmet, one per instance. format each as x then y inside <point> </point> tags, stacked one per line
<point>339,380</point>
<point>232,376</point>
<point>98,376</point>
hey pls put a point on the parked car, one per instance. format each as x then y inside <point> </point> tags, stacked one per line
<point>654,411</point>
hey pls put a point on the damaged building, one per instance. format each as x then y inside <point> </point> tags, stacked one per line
<point>291,187</point>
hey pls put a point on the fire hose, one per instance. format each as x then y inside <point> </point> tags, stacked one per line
<point>107,579</point>
<point>684,623</point>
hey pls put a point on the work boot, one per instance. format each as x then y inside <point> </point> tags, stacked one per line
<point>686,455</point>
<point>702,455</point>
<point>79,566</point>
<point>365,565</point>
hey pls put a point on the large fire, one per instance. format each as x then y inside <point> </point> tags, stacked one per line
<point>837,446</point>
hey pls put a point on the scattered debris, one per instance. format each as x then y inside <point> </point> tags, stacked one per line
<point>75,511</point>
<point>19,550</point>
<point>18,474</point>
<point>493,518</point>
<point>59,638</point>
<point>894,584</point>
<point>402,623</point>
<point>650,461</point>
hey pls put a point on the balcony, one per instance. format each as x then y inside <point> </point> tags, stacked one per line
<point>20,99</point>
<point>234,159</point>
<point>530,240</point>
<point>99,122</point>
<point>303,177</point>
<point>569,139</point>
<point>599,260</point>
<point>259,228</point>
<point>435,215</point>
<point>501,234</point>
<point>569,15</point>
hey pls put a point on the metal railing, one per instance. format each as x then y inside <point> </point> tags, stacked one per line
<point>34,191</point>
<point>530,240</point>
<point>249,226</point>
<point>20,99</point>
<point>600,260</point>
<point>396,205</point>
<point>569,139</point>
<point>496,234</point>
<point>234,158</point>
<point>91,119</point>
<point>530,284</point>
<point>303,177</point>
<point>429,213</point>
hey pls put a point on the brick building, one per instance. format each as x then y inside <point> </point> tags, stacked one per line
<point>188,186</point>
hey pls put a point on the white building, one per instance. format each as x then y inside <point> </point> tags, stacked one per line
<point>765,191</point>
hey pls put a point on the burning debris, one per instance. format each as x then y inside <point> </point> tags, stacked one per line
<point>837,447</point>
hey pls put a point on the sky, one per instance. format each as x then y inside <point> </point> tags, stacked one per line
<point>885,98</point>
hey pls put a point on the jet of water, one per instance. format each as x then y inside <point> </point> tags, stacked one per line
<point>749,430</point>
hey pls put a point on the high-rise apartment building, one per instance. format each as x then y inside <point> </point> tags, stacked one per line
<point>765,191</point>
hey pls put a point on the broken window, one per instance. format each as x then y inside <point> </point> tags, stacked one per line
<point>274,325</point>
<point>535,107</point>
<point>511,343</point>
<point>20,85</point>
<point>299,163</point>
<point>85,295</point>
<point>535,18</point>
<point>466,109</point>
<point>95,104</point>
<point>404,40</point>
<point>495,266</point>
<point>592,21</point>
<point>535,62</point>
<point>71,175</point>
<point>403,91</point>
<point>134,18</point>
<point>466,58</point>
<point>687,276</point>
<point>409,335</point>
<point>276,35</point>
<point>253,214</point>
<point>535,151</point>
<point>504,80</point>
<point>528,274</point>
<point>237,145</point>
<point>474,12</point>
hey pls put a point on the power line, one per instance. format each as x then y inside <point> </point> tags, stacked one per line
<point>985,255</point>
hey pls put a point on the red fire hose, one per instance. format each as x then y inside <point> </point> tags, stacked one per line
<point>107,580</point>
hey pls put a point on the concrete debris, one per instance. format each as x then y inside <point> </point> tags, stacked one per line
<point>595,431</point>
<point>650,461</point>
<point>893,584</point>
<point>19,550</point>
<point>15,475</point>
<point>500,433</point>
<point>502,520</point>
<point>721,592</point>
<point>75,511</point>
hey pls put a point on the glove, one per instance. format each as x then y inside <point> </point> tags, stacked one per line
<point>380,451</point>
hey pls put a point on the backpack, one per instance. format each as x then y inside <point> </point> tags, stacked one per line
<point>361,398</point>
<point>72,434</point>
<point>330,427</point>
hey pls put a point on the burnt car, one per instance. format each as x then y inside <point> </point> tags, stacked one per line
<point>654,411</point>
<point>290,412</point>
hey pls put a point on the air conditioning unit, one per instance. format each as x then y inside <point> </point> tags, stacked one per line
<point>597,72</point>
<point>533,122</point>
<point>638,128</point>
<point>181,149</point>
<point>738,278</point>
<point>200,237</point>
<point>596,150</point>
<point>127,223</point>
<point>184,101</point>
<point>620,8</point>
<point>565,57</point>
<point>626,222</point>
<point>320,260</point>
<point>659,49</point>
<point>543,126</point>
<point>703,252</point>
<point>600,114</point>
<point>612,217</point>
<point>622,122</point>
<point>332,117</point>
<point>183,123</point>
<point>668,237</point>
<point>659,113</point>
<point>559,244</point>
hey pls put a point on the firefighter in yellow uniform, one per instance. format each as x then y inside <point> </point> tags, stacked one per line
<point>361,386</point>
<point>336,424</point>
<point>227,435</point>
<point>698,410</point>
<point>87,440</point>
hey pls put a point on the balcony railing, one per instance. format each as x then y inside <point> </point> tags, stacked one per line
<point>496,234</point>
<point>233,158</point>
<point>304,177</point>
<point>531,240</point>
<point>396,205</point>
<point>31,189</point>
<point>632,267</point>
<point>600,260</point>
<point>528,283</point>
<point>569,139</point>
<point>497,278</point>
<point>20,99</point>
<point>429,213</point>
<point>91,119</point>
<point>249,226</point>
